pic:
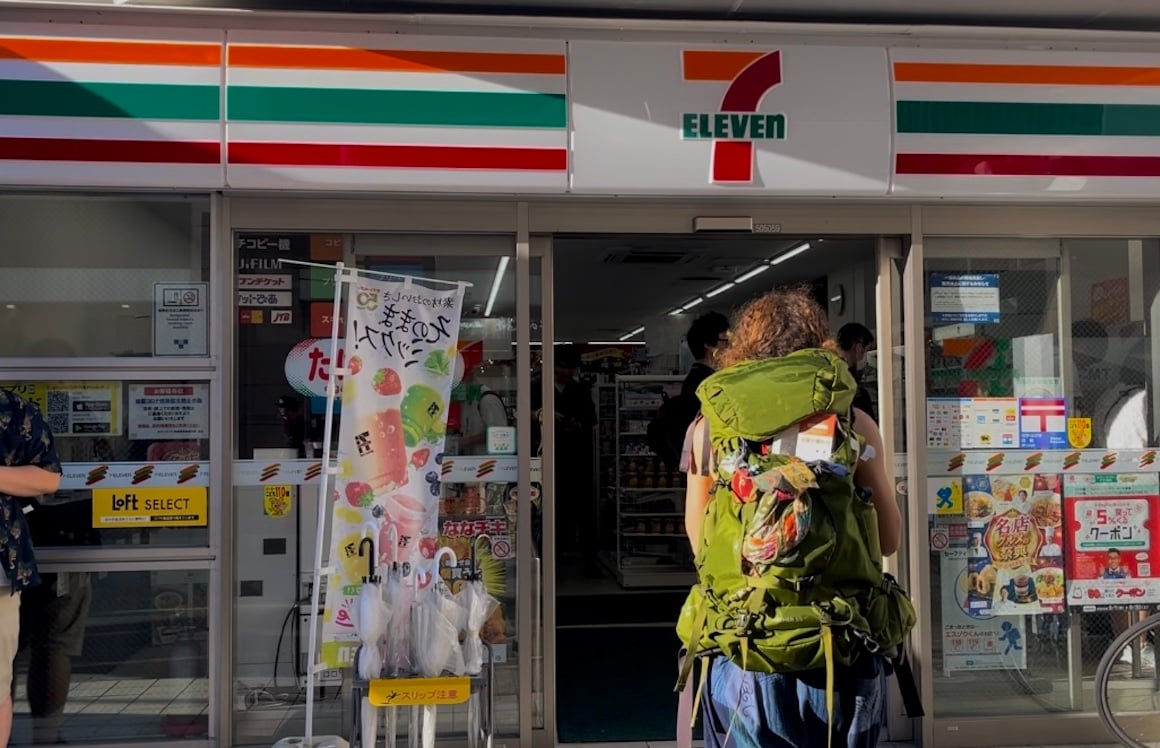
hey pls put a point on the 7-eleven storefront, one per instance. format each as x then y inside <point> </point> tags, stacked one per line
<point>151,151</point>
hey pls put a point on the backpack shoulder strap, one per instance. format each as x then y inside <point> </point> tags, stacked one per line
<point>697,454</point>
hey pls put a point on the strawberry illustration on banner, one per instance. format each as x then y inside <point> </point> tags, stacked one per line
<point>401,346</point>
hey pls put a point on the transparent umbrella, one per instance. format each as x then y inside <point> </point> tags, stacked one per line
<point>371,620</point>
<point>437,620</point>
<point>478,606</point>
<point>397,650</point>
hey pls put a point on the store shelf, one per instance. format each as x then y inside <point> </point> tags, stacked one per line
<point>644,559</point>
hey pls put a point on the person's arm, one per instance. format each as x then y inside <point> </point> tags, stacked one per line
<point>28,481</point>
<point>698,489</point>
<point>876,475</point>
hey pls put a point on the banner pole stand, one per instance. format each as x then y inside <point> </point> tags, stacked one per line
<point>341,277</point>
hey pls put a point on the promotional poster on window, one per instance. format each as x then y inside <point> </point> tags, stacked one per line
<point>1111,520</point>
<point>401,343</point>
<point>974,641</point>
<point>1014,549</point>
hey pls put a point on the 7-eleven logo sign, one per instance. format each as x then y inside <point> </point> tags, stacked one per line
<point>737,124</point>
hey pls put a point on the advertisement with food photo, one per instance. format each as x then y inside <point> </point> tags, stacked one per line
<point>974,642</point>
<point>1111,559</point>
<point>1014,564</point>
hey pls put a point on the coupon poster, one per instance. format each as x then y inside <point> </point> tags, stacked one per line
<point>1014,553</point>
<point>974,642</point>
<point>1111,520</point>
<point>401,341</point>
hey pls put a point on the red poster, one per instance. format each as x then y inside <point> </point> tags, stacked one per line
<point>321,316</point>
<point>1111,521</point>
<point>1014,559</point>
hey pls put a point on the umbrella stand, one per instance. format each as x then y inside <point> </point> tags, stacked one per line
<point>423,716</point>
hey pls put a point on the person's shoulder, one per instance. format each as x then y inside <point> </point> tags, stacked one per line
<point>13,404</point>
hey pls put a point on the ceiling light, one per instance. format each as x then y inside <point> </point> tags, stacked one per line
<point>790,254</point>
<point>9,306</point>
<point>126,306</point>
<point>719,290</point>
<point>677,312</point>
<point>615,342</point>
<point>751,274</point>
<point>495,284</point>
<point>692,303</point>
<point>632,334</point>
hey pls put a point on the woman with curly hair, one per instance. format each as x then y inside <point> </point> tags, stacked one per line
<point>789,710</point>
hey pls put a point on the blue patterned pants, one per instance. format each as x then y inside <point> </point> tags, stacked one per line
<point>754,710</point>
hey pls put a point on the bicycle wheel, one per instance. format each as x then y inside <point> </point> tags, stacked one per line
<point>1128,688</point>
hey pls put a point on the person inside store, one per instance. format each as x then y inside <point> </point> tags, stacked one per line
<point>668,429</point>
<point>29,467</point>
<point>855,341</point>
<point>706,336</point>
<point>293,423</point>
<point>575,495</point>
<point>484,409</point>
<point>1118,408</point>
<point>784,710</point>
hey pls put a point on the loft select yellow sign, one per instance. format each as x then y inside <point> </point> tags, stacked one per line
<point>150,507</point>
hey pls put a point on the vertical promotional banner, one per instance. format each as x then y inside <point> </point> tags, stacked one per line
<point>401,341</point>
<point>1112,561</point>
<point>1014,556</point>
<point>972,642</point>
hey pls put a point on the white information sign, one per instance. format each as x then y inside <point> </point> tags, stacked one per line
<point>181,319</point>
<point>168,411</point>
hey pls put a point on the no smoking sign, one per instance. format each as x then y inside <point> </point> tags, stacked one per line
<point>501,548</point>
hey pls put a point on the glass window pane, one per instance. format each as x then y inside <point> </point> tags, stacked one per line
<point>993,336</point>
<point>474,496</point>
<point>80,272</point>
<point>113,657</point>
<point>135,457</point>
<point>1114,283</point>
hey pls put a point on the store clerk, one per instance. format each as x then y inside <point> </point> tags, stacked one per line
<point>29,467</point>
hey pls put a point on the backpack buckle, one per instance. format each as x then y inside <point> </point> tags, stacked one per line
<point>867,641</point>
<point>801,583</point>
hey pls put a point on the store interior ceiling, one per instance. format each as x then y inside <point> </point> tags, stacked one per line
<point>1132,15</point>
<point>607,287</point>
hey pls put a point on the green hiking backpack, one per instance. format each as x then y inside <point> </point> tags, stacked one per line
<point>789,565</point>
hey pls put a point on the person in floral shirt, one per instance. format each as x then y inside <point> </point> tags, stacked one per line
<point>29,467</point>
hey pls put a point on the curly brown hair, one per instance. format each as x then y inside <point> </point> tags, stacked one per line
<point>776,324</point>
